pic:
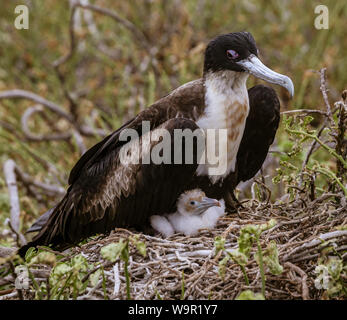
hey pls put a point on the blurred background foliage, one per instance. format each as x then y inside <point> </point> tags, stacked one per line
<point>112,78</point>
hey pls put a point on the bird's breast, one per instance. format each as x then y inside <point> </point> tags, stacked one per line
<point>226,108</point>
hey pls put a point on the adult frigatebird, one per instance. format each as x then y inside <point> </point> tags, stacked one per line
<point>103,193</point>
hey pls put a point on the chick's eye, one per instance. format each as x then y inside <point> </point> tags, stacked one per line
<point>232,54</point>
<point>192,203</point>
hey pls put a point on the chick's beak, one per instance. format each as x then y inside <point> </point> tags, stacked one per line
<point>208,203</point>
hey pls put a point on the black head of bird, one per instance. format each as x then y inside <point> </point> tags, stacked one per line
<point>237,51</point>
<point>195,202</point>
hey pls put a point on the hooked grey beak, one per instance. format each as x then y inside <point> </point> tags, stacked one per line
<point>207,203</point>
<point>255,67</point>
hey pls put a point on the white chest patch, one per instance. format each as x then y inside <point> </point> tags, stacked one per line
<point>227,107</point>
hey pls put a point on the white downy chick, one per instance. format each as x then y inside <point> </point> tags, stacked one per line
<point>162,225</point>
<point>194,211</point>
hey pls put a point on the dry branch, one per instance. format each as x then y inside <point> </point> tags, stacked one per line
<point>17,93</point>
<point>36,137</point>
<point>83,129</point>
<point>11,181</point>
<point>49,189</point>
<point>138,34</point>
<point>305,111</point>
<point>305,291</point>
<point>323,89</point>
<point>328,117</point>
<point>12,172</point>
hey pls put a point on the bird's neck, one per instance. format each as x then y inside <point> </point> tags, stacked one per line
<point>226,95</point>
<point>227,83</point>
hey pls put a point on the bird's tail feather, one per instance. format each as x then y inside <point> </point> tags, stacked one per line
<point>51,232</point>
<point>41,221</point>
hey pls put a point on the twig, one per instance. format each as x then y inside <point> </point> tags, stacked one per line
<point>88,131</point>
<point>9,296</point>
<point>160,272</point>
<point>323,89</point>
<point>316,242</point>
<point>47,188</point>
<point>327,148</point>
<point>341,146</point>
<point>304,288</point>
<point>104,265</point>
<point>140,37</point>
<point>17,93</point>
<point>35,137</point>
<point>124,22</point>
<point>12,172</point>
<point>83,129</point>
<point>6,252</point>
<point>262,183</point>
<point>20,239</point>
<point>116,279</point>
<point>64,58</point>
<point>10,128</point>
<point>333,176</point>
<point>93,30</point>
<point>305,111</point>
<point>79,142</point>
<point>328,118</point>
<point>10,177</point>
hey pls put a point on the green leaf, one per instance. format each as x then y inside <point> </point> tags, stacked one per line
<point>44,257</point>
<point>94,277</point>
<point>270,258</point>
<point>335,289</point>
<point>112,251</point>
<point>335,266</point>
<point>250,295</point>
<point>31,252</point>
<point>141,247</point>
<point>307,120</point>
<point>219,243</point>
<point>61,269</point>
<point>246,239</point>
<point>238,257</point>
<point>266,226</point>
<point>222,266</point>
<point>79,263</point>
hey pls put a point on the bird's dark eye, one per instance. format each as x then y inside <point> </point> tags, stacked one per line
<point>192,203</point>
<point>232,54</point>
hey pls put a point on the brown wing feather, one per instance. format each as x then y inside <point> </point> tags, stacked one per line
<point>104,194</point>
<point>260,131</point>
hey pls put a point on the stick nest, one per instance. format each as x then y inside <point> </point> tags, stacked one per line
<point>304,228</point>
